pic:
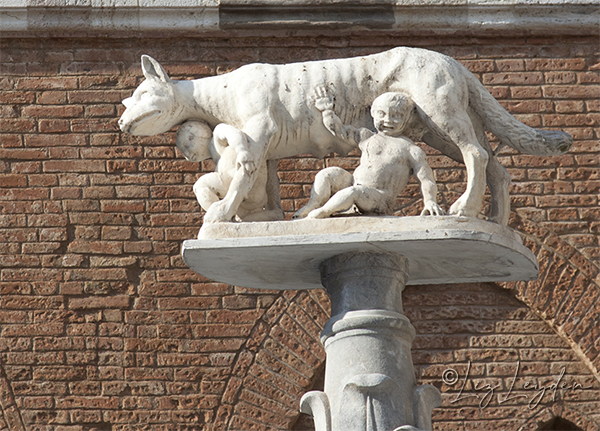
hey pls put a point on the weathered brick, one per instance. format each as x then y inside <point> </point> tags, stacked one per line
<point>51,111</point>
<point>96,247</point>
<point>510,78</point>
<point>74,166</point>
<point>555,64</point>
<point>571,91</point>
<point>510,65</point>
<point>104,302</point>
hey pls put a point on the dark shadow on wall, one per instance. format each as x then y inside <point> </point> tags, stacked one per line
<point>558,424</point>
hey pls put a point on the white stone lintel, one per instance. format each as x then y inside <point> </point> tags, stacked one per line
<point>286,255</point>
<point>321,16</point>
<point>111,16</point>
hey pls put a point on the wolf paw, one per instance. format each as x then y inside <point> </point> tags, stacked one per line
<point>462,208</point>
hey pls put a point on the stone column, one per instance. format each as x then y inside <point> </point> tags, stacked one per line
<point>369,374</point>
<point>369,377</point>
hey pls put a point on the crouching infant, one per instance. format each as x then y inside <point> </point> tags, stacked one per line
<point>385,164</point>
<point>230,149</point>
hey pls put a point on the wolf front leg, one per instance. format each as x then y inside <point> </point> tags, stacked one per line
<point>251,150</point>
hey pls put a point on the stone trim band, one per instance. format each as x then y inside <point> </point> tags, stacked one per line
<point>119,17</point>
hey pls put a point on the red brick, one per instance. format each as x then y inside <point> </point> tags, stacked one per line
<point>48,329</point>
<point>22,154</point>
<point>509,78</point>
<point>54,140</point>
<point>11,141</point>
<point>17,125</point>
<point>560,77</point>
<point>100,302</point>
<point>89,125</point>
<point>13,180</point>
<point>65,111</point>
<point>52,98</point>
<point>100,111</point>
<point>555,64</point>
<point>113,274</point>
<point>74,166</point>
<point>526,93</point>
<point>47,220</point>
<point>590,119</point>
<point>188,303</point>
<point>126,206</point>
<point>137,247</point>
<point>111,152</point>
<point>510,65</point>
<point>116,232</point>
<point>54,126</point>
<point>26,167</point>
<point>527,106</point>
<point>571,91</point>
<point>122,166</point>
<point>96,247</point>
<point>19,97</point>
<point>569,106</point>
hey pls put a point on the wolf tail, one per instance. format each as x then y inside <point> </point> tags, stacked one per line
<point>511,131</point>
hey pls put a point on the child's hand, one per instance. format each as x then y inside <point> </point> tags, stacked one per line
<point>246,161</point>
<point>323,100</point>
<point>432,208</point>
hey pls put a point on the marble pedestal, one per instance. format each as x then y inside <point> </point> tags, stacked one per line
<point>364,263</point>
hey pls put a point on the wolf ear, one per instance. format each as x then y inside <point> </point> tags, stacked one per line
<point>153,70</point>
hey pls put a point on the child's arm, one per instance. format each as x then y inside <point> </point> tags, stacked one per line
<point>424,174</point>
<point>333,123</point>
<point>226,135</point>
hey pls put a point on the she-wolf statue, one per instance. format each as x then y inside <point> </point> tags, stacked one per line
<point>272,105</point>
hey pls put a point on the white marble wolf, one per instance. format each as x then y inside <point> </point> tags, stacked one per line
<point>272,105</point>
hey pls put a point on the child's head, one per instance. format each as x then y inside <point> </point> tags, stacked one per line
<point>391,113</point>
<point>193,139</point>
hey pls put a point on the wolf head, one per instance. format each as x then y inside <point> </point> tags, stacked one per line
<point>152,109</point>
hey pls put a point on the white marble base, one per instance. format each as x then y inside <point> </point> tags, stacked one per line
<point>286,254</point>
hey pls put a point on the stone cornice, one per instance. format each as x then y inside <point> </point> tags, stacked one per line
<point>431,17</point>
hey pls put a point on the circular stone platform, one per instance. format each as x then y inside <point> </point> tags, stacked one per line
<point>286,254</point>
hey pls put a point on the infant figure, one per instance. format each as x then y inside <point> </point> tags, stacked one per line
<point>384,170</point>
<point>228,148</point>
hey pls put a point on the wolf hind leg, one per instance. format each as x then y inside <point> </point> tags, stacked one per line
<point>457,127</point>
<point>497,177</point>
<point>498,180</point>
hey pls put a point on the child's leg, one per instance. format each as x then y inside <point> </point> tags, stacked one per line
<point>210,188</point>
<point>374,201</point>
<point>367,199</point>
<point>327,182</point>
<point>256,206</point>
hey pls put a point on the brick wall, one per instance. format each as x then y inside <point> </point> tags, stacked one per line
<point>104,328</point>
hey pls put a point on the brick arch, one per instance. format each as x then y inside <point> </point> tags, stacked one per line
<point>566,294</point>
<point>278,363</point>
<point>283,357</point>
